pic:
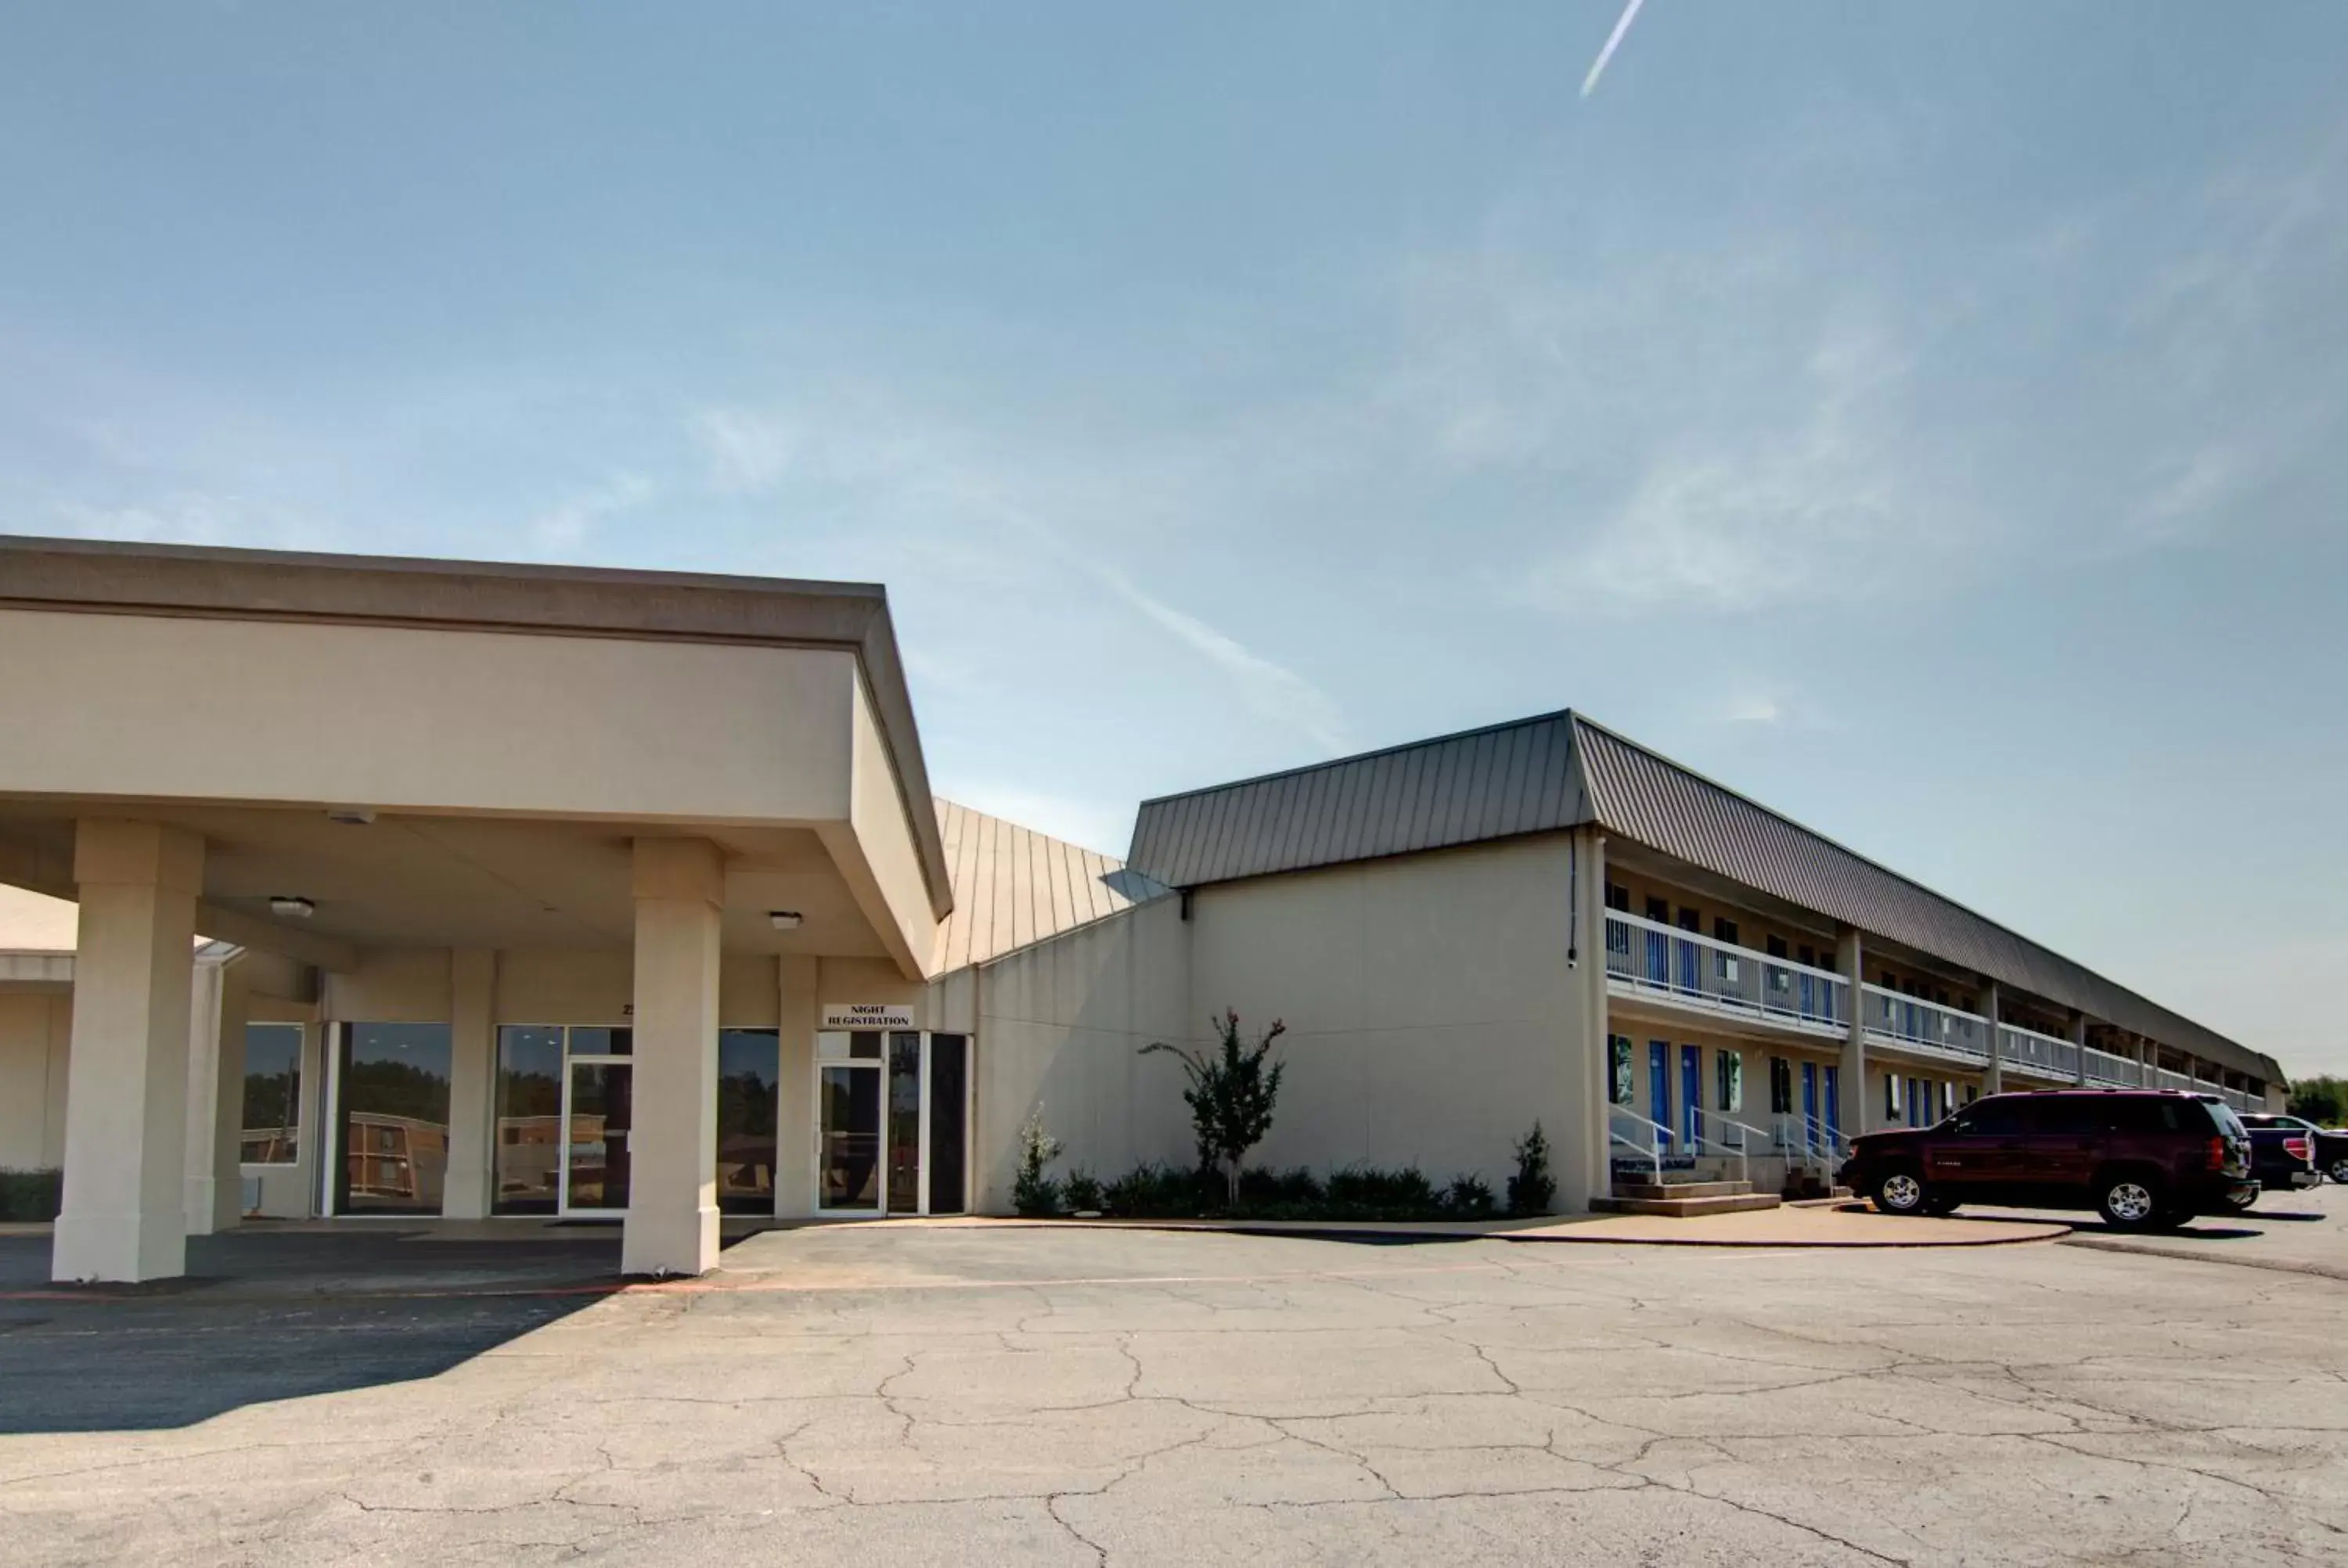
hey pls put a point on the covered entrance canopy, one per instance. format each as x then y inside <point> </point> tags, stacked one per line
<point>352,762</point>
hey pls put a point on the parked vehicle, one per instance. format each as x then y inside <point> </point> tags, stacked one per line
<point>2141,1157</point>
<point>2290,1152</point>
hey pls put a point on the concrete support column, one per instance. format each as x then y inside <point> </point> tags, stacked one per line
<point>672,1224</point>
<point>125,1211</point>
<point>216,1095</point>
<point>795,1093</point>
<point>1850,960</point>
<point>2079,1038</point>
<point>1992,1071</point>
<point>1586,1172</point>
<point>472,1082</point>
<point>2146,1076</point>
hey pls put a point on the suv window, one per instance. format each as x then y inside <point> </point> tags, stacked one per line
<point>2057,1114</point>
<point>2223,1115</point>
<point>2137,1114</point>
<point>1991,1118</point>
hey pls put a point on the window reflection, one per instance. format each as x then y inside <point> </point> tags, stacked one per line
<point>748,1063</point>
<point>529,1119</point>
<point>394,1121</point>
<point>272,1127</point>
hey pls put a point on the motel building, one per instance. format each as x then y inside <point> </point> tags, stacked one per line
<point>423,888</point>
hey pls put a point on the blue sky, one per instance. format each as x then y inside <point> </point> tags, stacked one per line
<point>1926,418</point>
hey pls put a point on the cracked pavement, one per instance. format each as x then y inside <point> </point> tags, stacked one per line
<point>911,1395</point>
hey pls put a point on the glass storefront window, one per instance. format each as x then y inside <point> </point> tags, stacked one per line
<point>528,1142</point>
<point>748,1063</point>
<point>394,1080</point>
<point>272,1127</point>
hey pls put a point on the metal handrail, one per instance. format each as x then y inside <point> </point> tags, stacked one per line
<point>1652,1148</point>
<point>2044,1054</point>
<point>1915,1021</point>
<point>1688,966</point>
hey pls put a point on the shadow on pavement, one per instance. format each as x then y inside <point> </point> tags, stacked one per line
<point>265,1316</point>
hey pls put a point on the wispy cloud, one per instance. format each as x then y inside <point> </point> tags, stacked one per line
<point>748,451</point>
<point>1273,690</point>
<point>564,526</point>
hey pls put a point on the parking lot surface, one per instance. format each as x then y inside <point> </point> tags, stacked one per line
<point>953,1396</point>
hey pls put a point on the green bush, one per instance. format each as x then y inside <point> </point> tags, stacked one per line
<point>1531,1190</point>
<point>1259,1187</point>
<point>31,1194</point>
<point>1390,1193</point>
<point>1034,1194</point>
<point>1081,1192</point>
<point>1469,1198</point>
<point>1163,1192</point>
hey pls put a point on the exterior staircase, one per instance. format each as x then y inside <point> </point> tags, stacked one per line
<point>1682,1199</point>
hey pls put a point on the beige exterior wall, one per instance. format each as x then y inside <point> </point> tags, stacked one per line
<point>259,711</point>
<point>35,1027</point>
<point>874,848</point>
<point>1061,1025</point>
<point>1432,1017</point>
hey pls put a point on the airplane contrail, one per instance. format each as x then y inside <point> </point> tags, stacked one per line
<point>1613,40</point>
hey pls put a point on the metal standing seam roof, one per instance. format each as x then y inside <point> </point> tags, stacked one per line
<point>1012,886</point>
<point>1560,771</point>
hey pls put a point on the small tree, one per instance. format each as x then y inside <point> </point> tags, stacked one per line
<point>1230,1095</point>
<point>1532,1189</point>
<point>1032,1192</point>
<point>2324,1100</point>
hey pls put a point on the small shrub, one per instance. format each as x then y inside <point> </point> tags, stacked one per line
<point>1467,1198</point>
<point>1259,1187</point>
<point>1033,1193</point>
<point>1162,1192</point>
<point>1382,1194</point>
<point>1531,1190</point>
<point>33,1196</point>
<point>1081,1192</point>
<point>1231,1094</point>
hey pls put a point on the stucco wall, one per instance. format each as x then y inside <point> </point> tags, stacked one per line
<point>34,1027</point>
<point>397,718</point>
<point>1061,1024</point>
<point>1432,1016</point>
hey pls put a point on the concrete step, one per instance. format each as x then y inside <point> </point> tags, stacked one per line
<point>1681,1189</point>
<point>1686,1208</point>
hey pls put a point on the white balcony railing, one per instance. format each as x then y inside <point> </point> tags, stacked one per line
<point>1646,957</point>
<point>1925,1026</point>
<point>2040,1055</point>
<point>2175,1080</point>
<point>2104,1067</point>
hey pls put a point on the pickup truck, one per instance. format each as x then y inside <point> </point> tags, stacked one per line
<point>2283,1153</point>
<point>2331,1144</point>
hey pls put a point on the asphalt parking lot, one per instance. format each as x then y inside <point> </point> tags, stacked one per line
<point>910,1396</point>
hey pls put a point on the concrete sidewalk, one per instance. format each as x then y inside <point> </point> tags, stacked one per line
<point>1841,1225</point>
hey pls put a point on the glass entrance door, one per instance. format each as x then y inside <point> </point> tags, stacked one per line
<point>598,1105</point>
<point>892,1122</point>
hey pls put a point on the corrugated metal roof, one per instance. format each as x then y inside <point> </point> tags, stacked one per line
<point>1560,770</point>
<point>1483,784</point>
<point>1657,803</point>
<point>1012,886</point>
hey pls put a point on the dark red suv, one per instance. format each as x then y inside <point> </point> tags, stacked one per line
<point>2144,1157</point>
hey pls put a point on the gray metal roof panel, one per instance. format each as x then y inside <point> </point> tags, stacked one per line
<point>1507,780</point>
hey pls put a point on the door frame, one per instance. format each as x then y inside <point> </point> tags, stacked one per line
<point>882,1065</point>
<point>563,1207</point>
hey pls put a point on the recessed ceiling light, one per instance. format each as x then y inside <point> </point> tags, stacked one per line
<point>292,908</point>
<point>784,919</point>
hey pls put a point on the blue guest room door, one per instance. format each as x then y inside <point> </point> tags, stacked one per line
<point>1659,1089</point>
<point>1691,1094</point>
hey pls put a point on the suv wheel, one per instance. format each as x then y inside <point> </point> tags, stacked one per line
<point>2131,1202</point>
<point>1900,1193</point>
<point>2340,1170</point>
